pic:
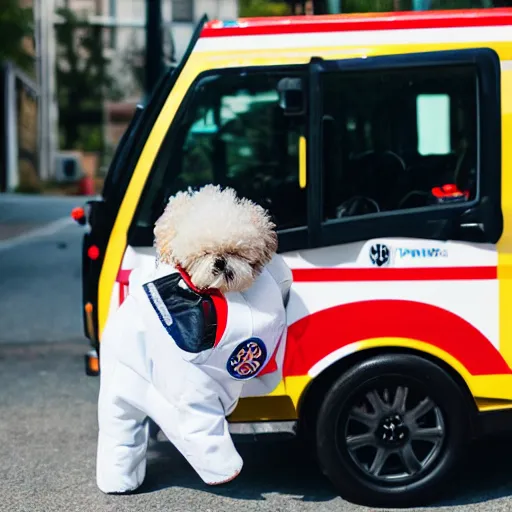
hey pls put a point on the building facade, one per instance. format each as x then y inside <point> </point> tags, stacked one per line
<point>20,142</point>
<point>123,32</point>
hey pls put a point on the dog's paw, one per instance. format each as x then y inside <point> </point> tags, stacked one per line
<point>230,479</point>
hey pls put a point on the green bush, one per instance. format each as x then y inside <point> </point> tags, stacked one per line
<point>90,138</point>
<point>406,5</point>
<point>367,5</point>
<point>256,8</point>
<point>28,188</point>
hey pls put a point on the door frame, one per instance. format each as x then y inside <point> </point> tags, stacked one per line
<point>487,204</point>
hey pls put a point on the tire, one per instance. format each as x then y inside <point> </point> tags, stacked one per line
<point>350,451</point>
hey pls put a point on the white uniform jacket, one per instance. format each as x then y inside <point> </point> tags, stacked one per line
<point>182,359</point>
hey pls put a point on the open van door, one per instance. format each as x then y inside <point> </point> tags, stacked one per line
<point>102,213</point>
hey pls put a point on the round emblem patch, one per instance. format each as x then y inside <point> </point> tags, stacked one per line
<point>247,359</point>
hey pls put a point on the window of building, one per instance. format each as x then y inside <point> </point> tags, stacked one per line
<point>233,133</point>
<point>391,137</point>
<point>183,10</point>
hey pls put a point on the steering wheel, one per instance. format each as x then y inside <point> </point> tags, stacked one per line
<point>397,157</point>
<point>358,205</point>
<point>418,198</point>
<point>371,153</point>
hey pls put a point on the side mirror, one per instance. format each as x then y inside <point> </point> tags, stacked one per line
<point>291,96</point>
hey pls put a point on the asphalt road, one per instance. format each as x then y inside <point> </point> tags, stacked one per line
<point>40,295</point>
<point>48,409</point>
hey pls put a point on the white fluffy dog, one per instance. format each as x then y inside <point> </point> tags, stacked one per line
<point>218,239</point>
<point>195,331</point>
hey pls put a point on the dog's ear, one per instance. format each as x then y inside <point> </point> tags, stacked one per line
<point>261,219</point>
<point>168,224</point>
<point>257,214</point>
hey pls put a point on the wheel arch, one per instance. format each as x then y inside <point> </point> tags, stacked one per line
<point>312,396</point>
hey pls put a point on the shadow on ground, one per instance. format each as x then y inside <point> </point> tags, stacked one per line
<point>270,467</point>
<point>284,469</point>
<point>485,474</point>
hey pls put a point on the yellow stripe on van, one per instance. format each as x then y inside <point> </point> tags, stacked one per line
<point>504,246</point>
<point>118,238</point>
<point>302,162</point>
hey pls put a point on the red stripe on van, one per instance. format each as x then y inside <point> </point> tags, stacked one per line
<point>315,336</point>
<point>315,275</point>
<point>358,22</point>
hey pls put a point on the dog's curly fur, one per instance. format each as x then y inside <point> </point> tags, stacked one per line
<point>220,240</point>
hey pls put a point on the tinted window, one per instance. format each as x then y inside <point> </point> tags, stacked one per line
<point>391,137</point>
<point>233,133</point>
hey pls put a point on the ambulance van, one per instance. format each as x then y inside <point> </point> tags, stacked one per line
<point>381,144</point>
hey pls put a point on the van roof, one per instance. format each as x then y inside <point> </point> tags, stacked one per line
<point>358,22</point>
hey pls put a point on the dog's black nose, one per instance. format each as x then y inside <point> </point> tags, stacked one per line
<point>220,264</point>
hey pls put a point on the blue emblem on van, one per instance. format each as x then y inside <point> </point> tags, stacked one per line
<point>247,359</point>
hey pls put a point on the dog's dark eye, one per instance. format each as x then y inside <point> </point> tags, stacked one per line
<point>220,264</point>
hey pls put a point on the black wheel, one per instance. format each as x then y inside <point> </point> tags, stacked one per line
<point>390,430</point>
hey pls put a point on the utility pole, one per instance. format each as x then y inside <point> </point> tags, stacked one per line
<point>44,12</point>
<point>154,45</point>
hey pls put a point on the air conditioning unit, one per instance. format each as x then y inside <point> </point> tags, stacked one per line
<point>68,168</point>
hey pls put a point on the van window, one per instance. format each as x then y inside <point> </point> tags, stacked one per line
<point>233,133</point>
<point>390,137</point>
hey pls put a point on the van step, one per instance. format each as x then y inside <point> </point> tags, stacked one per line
<point>263,430</point>
<point>250,432</point>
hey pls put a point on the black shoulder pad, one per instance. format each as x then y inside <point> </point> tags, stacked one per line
<point>188,317</point>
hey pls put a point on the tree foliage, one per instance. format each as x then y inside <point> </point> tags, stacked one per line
<point>255,8</point>
<point>250,8</point>
<point>83,79</point>
<point>133,58</point>
<point>16,23</point>
<point>406,5</point>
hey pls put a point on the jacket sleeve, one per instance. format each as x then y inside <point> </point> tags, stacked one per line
<point>282,275</point>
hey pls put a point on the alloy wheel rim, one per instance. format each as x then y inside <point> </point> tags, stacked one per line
<point>394,434</point>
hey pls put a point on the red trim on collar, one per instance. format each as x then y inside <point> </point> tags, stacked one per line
<point>219,303</point>
<point>188,281</point>
<point>221,310</point>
